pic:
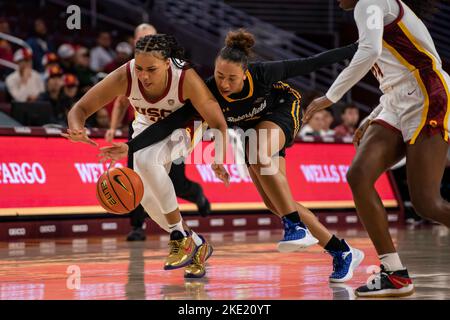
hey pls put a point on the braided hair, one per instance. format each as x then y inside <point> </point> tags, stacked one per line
<point>164,44</point>
<point>237,48</point>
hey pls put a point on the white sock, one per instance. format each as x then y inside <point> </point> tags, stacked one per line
<point>391,261</point>
<point>198,241</point>
<point>178,226</point>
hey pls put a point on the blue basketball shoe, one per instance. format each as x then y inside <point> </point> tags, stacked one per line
<point>296,237</point>
<point>345,262</point>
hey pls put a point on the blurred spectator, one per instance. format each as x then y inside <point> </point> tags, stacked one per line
<point>85,75</point>
<point>315,126</point>
<point>66,54</point>
<point>69,94</point>
<point>102,119</point>
<point>127,113</point>
<point>123,54</point>
<point>143,30</point>
<point>350,119</point>
<point>130,41</point>
<point>70,85</point>
<point>40,43</point>
<point>4,25</point>
<point>54,78</point>
<point>328,119</point>
<point>6,52</point>
<point>49,60</point>
<point>102,54</point>
<point>24,84</point>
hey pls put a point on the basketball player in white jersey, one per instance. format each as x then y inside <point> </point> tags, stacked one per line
<point>412,120</point>
<point>121,105</point>
<point>157,82</point>
<point>184,187</point>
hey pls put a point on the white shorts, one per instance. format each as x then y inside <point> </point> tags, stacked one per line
<point>411,108</point>
<point>153,166</point>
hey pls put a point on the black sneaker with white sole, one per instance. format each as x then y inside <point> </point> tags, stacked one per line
<point>387,284</point>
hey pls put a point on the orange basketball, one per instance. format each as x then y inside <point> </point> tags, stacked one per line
<point>119,190</point>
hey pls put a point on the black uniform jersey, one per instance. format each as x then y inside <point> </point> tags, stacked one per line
<point>256,98</point>
<point>262,87</point>
<point>259,97</point>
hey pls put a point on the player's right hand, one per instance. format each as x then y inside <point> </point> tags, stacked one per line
<point>79,136</point>
<point>359,133</point>
<point>221,173</point>
<point>115,152</point>
<point>316,105</point>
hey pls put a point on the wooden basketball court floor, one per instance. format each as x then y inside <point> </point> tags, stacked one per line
<point>245,265</point>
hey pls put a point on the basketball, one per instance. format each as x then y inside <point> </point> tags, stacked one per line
<point>119,190</point>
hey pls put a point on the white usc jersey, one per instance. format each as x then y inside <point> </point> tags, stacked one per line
<point>407,48</point>
<point>153,163</point>
<point>416,88</point>
<point>395,44</point>
<point>148,111</point>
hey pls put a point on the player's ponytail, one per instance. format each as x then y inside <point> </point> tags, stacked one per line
<point>238,45</point>
<point>166,45</point>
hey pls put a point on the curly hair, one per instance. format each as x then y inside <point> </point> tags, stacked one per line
<point>166,45</point>
<point>238,45</point>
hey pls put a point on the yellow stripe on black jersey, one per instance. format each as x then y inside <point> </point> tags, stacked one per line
<point>295,112</point>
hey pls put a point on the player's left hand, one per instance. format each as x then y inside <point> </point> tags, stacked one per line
<point>115,152</point>
<point>315,106</point>
<point>221,173</point>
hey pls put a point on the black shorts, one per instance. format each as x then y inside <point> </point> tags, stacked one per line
<point>286,114</point>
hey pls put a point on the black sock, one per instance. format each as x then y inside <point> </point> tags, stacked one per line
<point>335,245</point>
<point>293,217</point>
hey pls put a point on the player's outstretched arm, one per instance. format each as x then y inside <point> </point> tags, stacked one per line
<point>195,89</point>
<point>105,91</point>
<point>151,135</point>
<point>369,50</point>
<point>274,71</point>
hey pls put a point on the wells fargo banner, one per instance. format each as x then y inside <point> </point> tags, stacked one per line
<point>40,175</point>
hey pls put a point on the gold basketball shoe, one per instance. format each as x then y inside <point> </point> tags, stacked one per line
<point>182,251</point>
<point>197,269</point>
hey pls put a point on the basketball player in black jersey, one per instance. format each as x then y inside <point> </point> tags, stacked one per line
<point>252,96</point>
